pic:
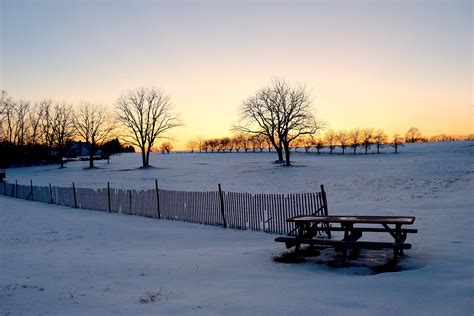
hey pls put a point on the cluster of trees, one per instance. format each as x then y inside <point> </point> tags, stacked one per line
<point>239,142</point>
<point>166,147</point>
<point>280,116</point>
<point>357,139</point>
<point>413,135</point>
<point>354,140</point>
<point>47,127</point>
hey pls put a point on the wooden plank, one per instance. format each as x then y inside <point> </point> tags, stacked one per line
<point>408,220</point>
<point>253,220</point>
<point>233,206</point>
<point>221,198</point>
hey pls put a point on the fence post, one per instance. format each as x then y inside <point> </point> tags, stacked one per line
<point>325,201</point>
<point>130,192</point>
<point>222,205</point>
<point>50,194</point>
<point>108,193</point>
<point>157,198</point>
<point>31,189</point>
<point>74,193</point>
<point>16,189</point>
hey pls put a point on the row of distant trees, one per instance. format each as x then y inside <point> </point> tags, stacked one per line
<point>355,140</point>
<point>279,116</point>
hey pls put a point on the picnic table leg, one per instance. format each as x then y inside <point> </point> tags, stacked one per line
<point>299,237</point>
<point>349,233</point>
<point>400,238</point>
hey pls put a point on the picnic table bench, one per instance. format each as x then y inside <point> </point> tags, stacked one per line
<point>308,227</point>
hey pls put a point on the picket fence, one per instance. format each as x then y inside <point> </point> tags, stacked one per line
<point>259,212</point>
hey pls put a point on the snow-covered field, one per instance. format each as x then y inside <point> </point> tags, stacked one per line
<point>66,261</point>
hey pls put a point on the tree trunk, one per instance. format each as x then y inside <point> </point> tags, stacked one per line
<point>378,149</point>
<point>91,157</point>
<point>280,154</point>
<point>148,157</point>
<point>61,154</point>
<point>143,157</point>
<point>287,156</point>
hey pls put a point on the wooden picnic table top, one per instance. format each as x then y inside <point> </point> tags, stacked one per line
<point>354,219</point>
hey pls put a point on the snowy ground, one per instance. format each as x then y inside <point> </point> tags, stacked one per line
<point>65,261</point>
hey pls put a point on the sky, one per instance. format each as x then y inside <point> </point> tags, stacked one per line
<point>380,64</point>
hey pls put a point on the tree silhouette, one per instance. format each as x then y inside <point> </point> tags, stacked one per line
<point>343,139</point>
<point>397,142</point>
<point>280,112</point>
<point>367,136</point>
<point>148,115</point>
<point>354,138</point>
<point>62,128</point>
<point>331,139</point>
<point>413,135</point>
<point>92,126</point>
<point>379,139</point>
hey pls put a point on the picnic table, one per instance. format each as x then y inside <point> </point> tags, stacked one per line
<point>353,227</point>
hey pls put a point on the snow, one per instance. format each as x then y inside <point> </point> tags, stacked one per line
<point>59,260</point>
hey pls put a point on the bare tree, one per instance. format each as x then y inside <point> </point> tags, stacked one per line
<point>354,139</point>
<point>367,138</point>
<point>34,125</point>
<point>254,142</point>
<point>21,122</point>
<point>46,123</point>
<point>379,139</point>
<point>241,140</point>
<point>413,135</point>
<point>8,109</point>
<point>3,113</point>
<point>92,127</point>
<point>296,144</point>
<point>268,144</point>
<point>200,142</point>
<point>225,143</point>
<point>192,144</point>
<point>148,115</point>
<point>343,139</point>
<point>258,141</point>
<point>397,142</point>
<point>280,112</point>
<point>331,139</point>
<point>307,142</point>
<point>62,129</point>
<point>166,147</point>
<point>319,144</point>
<point>237,144</point>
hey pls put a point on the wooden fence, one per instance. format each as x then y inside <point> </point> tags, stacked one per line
<point>259,212</point>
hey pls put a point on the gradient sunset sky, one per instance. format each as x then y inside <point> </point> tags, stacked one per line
<point>380,64</point>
